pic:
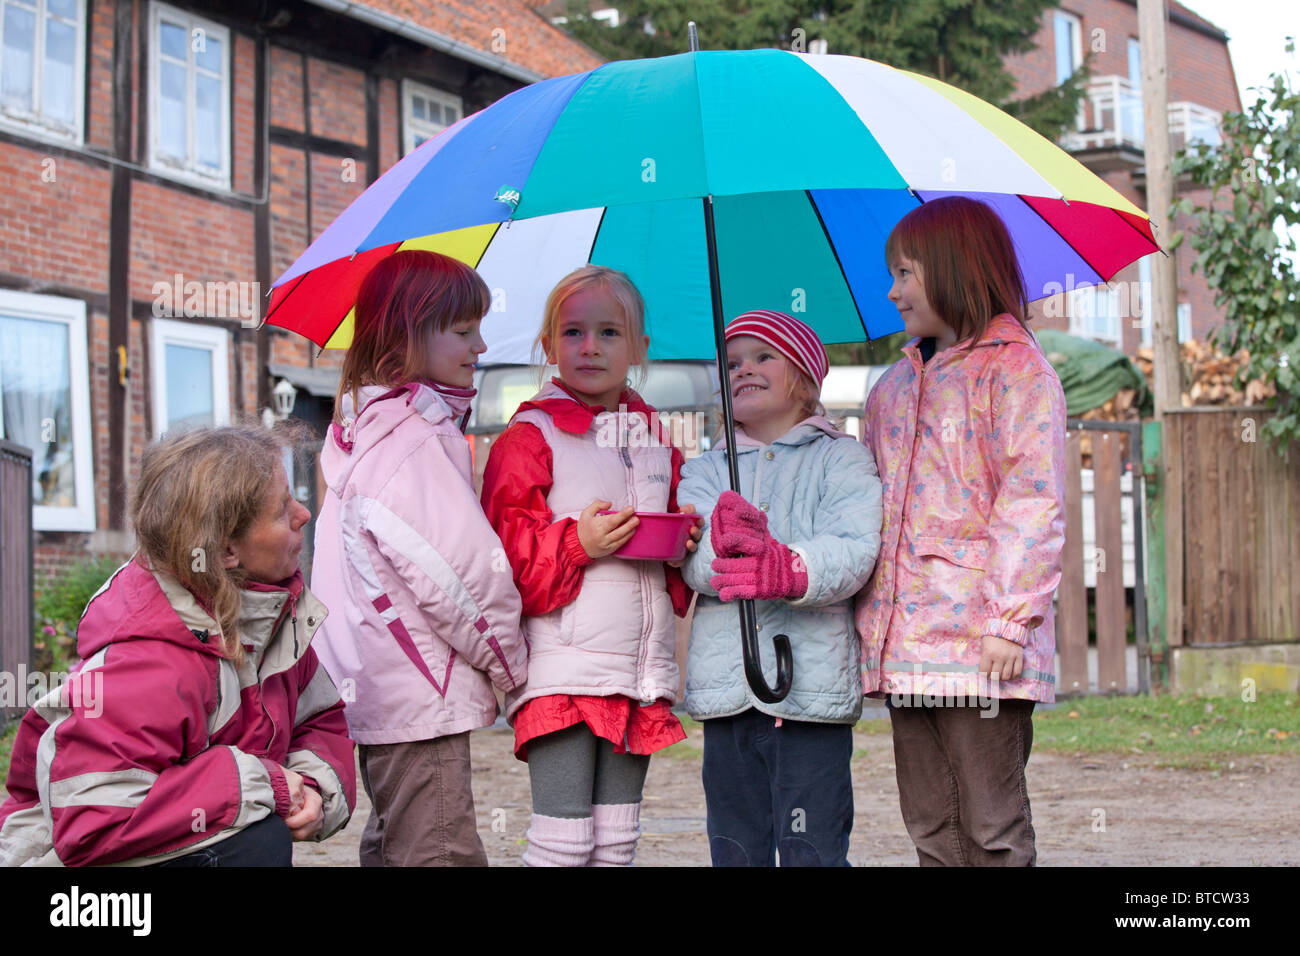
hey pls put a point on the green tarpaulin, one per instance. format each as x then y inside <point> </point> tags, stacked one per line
<point>1091,373</point>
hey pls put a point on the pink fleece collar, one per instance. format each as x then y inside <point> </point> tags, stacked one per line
<point>457,401</point>
<point>573,415</point>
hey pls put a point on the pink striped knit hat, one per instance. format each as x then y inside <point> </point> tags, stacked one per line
<point>792,338</point>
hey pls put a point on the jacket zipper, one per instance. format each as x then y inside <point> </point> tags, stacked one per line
<point>644,650</point>
<point>261,697</point>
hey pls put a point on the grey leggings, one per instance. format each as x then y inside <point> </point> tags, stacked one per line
<point>572,769</point>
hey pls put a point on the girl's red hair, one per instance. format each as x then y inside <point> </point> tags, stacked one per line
<point>404,299</point>
<point>967,263</point>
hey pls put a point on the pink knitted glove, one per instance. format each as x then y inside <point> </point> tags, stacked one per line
<point>774,572</point>
<point>736,527</point>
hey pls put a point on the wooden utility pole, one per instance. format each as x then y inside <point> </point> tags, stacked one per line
<point>1164,310</point>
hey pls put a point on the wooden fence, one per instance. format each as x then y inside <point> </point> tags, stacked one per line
<point>16,607</point>
<point>1241,529</point>
<point>1114,449</point>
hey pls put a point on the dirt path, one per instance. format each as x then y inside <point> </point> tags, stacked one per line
<point>1151,816</point>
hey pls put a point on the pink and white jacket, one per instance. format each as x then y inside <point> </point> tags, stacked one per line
<point>425,615</point>
<point>158,745</point>
<point>971,452</point>
<point>599,627</point>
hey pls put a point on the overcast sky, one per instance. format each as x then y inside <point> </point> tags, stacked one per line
<point>1257,31</point>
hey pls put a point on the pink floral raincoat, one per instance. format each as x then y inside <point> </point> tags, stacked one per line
<point>971,452</point>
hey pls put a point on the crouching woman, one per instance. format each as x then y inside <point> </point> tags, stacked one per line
<point>199,728</point>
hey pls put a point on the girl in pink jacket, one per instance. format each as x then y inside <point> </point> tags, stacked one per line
<point>601,672</point>
<point>425,616</point>
<point>968,430</point>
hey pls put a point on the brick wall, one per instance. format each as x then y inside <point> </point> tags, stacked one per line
<point>99,107</point>
<point>54,218</point>
<point>286,89</point>
<point>338,101</point>
<point>174,232</point>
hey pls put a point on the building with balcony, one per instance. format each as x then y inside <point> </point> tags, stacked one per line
<point>1108,137</point>
<point>164,163</point>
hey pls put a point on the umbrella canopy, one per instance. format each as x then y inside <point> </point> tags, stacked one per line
<point>810,159</point>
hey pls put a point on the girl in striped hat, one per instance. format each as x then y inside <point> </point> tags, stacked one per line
<point>800,539</point>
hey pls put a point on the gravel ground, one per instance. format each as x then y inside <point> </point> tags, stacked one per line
<point>1088,810</point>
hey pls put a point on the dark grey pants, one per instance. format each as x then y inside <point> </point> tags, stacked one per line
<point>572,769</point>
<point>961,782</point>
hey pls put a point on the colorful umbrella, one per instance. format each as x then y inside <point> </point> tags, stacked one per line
<point>810,160</point>
<point>719,182</point>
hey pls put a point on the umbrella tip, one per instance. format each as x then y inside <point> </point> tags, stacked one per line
<point>693,37</point>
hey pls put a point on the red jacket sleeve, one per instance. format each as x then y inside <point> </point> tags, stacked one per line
<point>320,748</point>
<point>678,589</point>
<point>545,555</point>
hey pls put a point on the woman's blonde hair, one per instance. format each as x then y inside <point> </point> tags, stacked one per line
<point>620,288</point>
<point>198,492</point>
<point>402,300</point>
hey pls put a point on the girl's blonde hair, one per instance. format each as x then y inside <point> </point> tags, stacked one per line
<point>198,492</point>
<point>406,297</point>
<point>619,288</point>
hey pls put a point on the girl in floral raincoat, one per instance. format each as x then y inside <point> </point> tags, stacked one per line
<point>968,430</point>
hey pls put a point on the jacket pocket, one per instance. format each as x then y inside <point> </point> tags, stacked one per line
<point>972,554</point>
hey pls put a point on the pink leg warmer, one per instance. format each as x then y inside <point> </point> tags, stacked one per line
<point>558,841</point>
<point>617,827</point>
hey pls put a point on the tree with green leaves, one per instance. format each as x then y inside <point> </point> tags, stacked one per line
<point>961,42</point>
<point>1245,242</point>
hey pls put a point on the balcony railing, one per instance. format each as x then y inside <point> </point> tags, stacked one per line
<point>1111,117</point>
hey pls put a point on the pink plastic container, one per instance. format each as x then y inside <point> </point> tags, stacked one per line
<point>658,537</point>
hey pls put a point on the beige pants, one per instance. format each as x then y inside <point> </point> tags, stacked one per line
<point>423,807</point>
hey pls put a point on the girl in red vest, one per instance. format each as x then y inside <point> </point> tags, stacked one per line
<point>602,671</point>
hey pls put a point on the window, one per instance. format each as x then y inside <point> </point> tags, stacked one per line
<point>1095,313</point>
<point>1068,34</point>
<point>426,112</point>
<point>1184,322</point>
<point>45,404</point>
<point>191,384</point>
<point>43,66</point>
<point>189,97</point>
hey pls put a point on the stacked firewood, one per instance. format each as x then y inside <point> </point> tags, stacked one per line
<point>1121,407</point>
<point>1209,376</point>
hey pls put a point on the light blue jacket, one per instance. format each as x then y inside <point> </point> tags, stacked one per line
<point>821,493</point>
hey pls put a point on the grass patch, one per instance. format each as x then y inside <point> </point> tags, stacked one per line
<point>1190,731</point>
<point>873,725</point>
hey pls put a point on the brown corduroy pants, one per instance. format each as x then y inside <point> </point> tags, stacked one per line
<point>961,783</point>
<point>422,805</point>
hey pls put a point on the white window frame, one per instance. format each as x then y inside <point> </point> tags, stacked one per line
<point>410,125</point>
<point>71,313</point>
<point>1184,322</point>
<point>35,122</point>
<point>191,170</point>
<point>1097,294</point>
<point>1077,23</point>
<point>164,332</point>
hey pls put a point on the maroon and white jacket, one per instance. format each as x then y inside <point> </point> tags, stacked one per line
<point>157,745</point>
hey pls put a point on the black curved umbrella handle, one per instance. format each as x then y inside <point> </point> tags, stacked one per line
<point>753,661</point>
<point>748,620</point>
